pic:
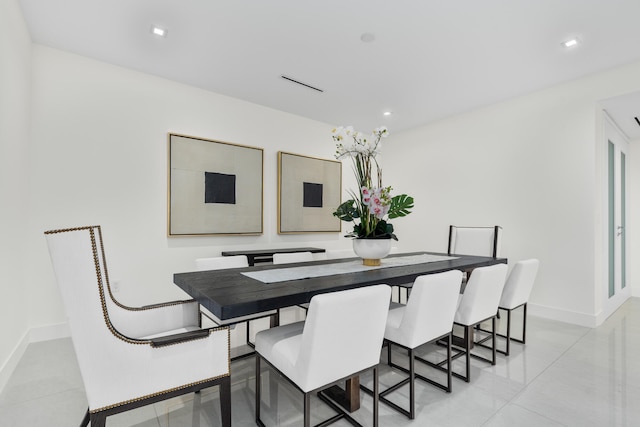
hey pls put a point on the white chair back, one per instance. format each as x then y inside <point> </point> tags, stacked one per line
<point>479,241</point>
<point>221,262</point>
<point>79,272</point>
<point>482,294</point>
<point>519,284</point>
<point>291,257</point>
<point>430,310</point>
<point>342,335</point>
<point>340,253</point>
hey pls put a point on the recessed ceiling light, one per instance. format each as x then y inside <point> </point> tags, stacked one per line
<point>158,31</point>
<point>387,113</point>
<point>571,43</point>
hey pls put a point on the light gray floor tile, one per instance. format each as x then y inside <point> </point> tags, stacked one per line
<point>513,415</point>
<point>46,368</point>
<point>57,410</point>
<point>565,375</point>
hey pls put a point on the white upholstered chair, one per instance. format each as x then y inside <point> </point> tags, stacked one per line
<point>340,253</point>
<point>222,262</point>
<point>516,294</point>
<point>479,241</point>
<point>226,262</point>
<point>427,317</point>
<point>131,357</point>
<point>291,257</point>
<point>341,337</point>
<point>479,303</point>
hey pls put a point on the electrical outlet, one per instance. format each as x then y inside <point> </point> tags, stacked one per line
<point>115,285</point>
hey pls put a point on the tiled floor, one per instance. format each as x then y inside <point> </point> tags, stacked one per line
<point>565,376</point>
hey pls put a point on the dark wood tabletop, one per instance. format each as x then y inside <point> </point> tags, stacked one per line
<point>228,293</point>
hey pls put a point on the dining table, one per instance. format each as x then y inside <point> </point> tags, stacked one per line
<point>244,291</point>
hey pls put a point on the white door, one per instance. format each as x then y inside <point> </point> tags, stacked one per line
<point>617,289</point>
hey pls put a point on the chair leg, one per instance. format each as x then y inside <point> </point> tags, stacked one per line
<point>98,419</point>
<point>412,385</point>
<point>307,410</point>
<point>468,333</point>
<point>258,390</point>
<point>466,345</point>
<point>376,395</point>
<point>524,324</point>
<point>225,401</point>
<point>449,369</point>
<point>493,340</point>
<point>85,420</point>
<point>508,333</point>
<point>508,336</point>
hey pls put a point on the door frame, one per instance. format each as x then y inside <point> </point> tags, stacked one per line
<point>612,133</point>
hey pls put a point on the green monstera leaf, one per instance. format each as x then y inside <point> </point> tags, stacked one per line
<point>347,211</point>
<point>400,206</point>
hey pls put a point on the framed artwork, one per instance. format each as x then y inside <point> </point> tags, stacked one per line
<point>309,191</point>
<point>215,188</point>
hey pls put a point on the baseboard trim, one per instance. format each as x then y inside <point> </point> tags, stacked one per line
<point>36,334</point>
<point>49,332</point>
<point>12,362</point>
<point>554,313</point>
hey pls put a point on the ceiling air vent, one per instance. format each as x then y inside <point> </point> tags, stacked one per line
<point>300,83</point>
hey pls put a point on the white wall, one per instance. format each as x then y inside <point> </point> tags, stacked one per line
<point>531,165</point>
<point>15,74</point>
<point>99,156</point>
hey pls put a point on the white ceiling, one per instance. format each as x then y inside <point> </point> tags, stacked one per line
<point>429,59</point>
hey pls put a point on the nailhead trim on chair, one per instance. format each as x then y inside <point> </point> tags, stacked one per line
<point>96,261</point>
<point>148,396</point>
<point>106,274</point>
<point>105,315</point>
<point>113,298</point>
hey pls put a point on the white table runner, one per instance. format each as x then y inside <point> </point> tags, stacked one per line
<point>296,273</point>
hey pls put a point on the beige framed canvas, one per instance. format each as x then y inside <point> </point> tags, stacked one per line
<point>215,188</point>
<point>309,191</point>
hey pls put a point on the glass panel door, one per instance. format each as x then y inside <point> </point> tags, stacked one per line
<point>612,217</point>
<point>623,220</point>
<point>617,290</point>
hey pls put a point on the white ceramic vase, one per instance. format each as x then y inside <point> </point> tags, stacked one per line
<point>372,250</point>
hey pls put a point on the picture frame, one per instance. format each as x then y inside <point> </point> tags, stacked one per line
<point>215,188</point>
<point>309,191</point>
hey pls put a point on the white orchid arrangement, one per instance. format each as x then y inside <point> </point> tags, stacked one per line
<point>373,202</point>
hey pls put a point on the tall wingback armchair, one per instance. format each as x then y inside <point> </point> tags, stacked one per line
<point>131,357</point>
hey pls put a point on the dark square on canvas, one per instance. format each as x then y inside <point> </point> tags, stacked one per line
<point>219,188</point>
<point>312,197</point>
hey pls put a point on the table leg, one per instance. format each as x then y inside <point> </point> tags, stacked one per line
<point>349,398</point>
<point>352,390</point>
